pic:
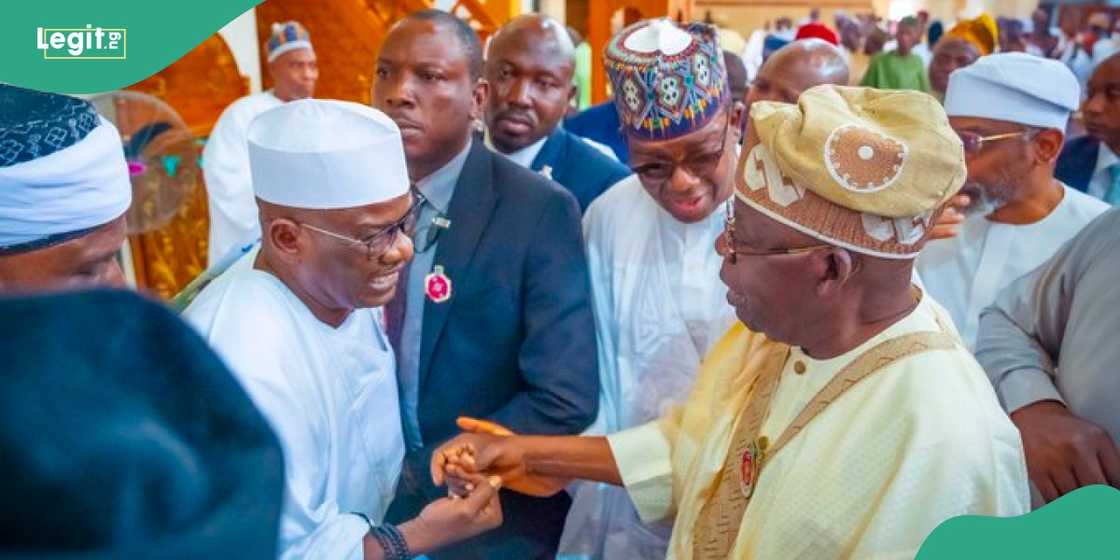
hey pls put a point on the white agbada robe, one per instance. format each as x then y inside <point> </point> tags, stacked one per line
<point>966,273</point>
<point>229,185</point>
<point>659,306</point>
<point>329,393</point>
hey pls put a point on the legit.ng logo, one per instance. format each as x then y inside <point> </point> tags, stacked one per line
<point>88,43</point>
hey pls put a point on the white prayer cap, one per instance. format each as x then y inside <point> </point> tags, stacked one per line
<point>62,169</point>
<point>1014,87</point>
<point>322,154</point>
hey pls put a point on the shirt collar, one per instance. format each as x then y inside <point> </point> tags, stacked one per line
<point>525,156</point>
<point>440,185</point>
<point>1105,158</point>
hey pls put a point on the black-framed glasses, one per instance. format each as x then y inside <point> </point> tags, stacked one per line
<point>728,247</point>
<point>974,143</point>
<point>657,173</point>
<point>381,241</point>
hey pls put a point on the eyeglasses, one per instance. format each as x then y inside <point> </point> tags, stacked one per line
<point>729,247</point>
<point>657,173</point>
<point>379,243</point>
<point>974,143</point>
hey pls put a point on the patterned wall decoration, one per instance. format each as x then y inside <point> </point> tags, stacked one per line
<point>198,86</point>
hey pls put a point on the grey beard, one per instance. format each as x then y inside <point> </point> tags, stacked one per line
<point>983,203</point>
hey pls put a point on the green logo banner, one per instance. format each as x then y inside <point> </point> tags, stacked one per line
<point>1082,524</point>
<point>84,46</point>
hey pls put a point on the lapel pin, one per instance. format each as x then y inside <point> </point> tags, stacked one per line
<point>437,285</point>
<point>547,172</point>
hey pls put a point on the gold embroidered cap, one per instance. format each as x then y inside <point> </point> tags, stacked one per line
<point>860,168</point>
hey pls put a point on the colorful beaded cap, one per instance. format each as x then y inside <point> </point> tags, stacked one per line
<point>660,96</point>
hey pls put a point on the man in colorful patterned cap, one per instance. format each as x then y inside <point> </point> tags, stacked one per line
<point>658,308</point>
<point>843,417</point>
<point>64,190</point>
<point>225,159</point>
<point>1011,111</point>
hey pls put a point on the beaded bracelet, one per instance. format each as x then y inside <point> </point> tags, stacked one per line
<point>389,538</point>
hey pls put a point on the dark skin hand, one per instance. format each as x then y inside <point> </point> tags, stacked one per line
<point>1065,452</point>
<point>448,520</point>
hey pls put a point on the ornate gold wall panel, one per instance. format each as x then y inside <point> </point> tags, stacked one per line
<point>198,86</point>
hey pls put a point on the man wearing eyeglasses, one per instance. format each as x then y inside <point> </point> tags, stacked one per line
<point>1011,111</point>
<point>298,322</point>
<point>650,240</point>
<point>842,418</point>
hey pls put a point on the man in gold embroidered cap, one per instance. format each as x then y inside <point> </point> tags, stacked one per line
<point>843,417</point>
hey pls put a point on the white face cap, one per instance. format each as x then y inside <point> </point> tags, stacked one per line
<point>661,35</point>
<point>324,154</point>
<point>1014,87</point>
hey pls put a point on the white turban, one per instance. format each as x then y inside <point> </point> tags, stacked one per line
<point>323,154</point>
<point>1014,87</point>
<point>62,168</point>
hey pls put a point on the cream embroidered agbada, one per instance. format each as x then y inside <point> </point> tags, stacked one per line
<point>912,445</point>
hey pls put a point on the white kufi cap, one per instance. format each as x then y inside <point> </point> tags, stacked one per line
<point>324,154</point>
<point>1014,87</point>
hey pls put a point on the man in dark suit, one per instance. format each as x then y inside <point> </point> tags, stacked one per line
<point>1091,163</point>
<point>529,66</point>
<point>493,319</point>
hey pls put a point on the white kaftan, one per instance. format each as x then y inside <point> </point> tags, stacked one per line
<point>229,184</point>
<point>966,273</point>
<point>329,393</point>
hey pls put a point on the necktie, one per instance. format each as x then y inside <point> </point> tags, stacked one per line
<point>1112,196</point>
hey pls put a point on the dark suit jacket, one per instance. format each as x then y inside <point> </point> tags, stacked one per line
<point>578,166</point>
<point>515,343</point>
<point>1077,162</point>
<point>601,124</point>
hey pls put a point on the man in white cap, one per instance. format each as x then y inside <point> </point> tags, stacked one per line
<point>225,159</point>
<point>295,319</point>
<point>843,418</point>
<point>64,189</point>
<point>1011,111</point>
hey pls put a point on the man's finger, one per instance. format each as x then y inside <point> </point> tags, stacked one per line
<point>484,491</point>
<point>1046,487</point>
<point>1110,462</point>
<point>479,426</point>
<point>439,461</point>
<point>1064,481</point>
<point>1088,471</point>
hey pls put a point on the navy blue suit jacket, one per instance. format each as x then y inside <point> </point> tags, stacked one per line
<point>601,124</point>
<point>515,343</point>
<point>578,166</point>
<point>1077,162</point>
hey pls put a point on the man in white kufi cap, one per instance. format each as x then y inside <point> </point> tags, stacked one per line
<point>1010,110</point>
<point>64,190</point>
<point>298,320</point>
<point>225,160</point>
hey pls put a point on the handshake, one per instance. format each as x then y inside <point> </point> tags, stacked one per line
<point>490,450</point>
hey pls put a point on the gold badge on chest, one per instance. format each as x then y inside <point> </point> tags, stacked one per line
<point>750,465</point>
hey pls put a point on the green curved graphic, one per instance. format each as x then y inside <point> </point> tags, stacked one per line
<point>1082,524</point>
<point>155,34</point>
